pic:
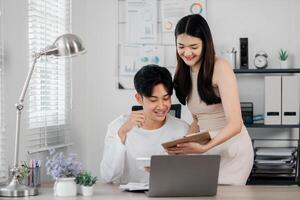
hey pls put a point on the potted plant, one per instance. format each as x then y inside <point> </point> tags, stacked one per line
<point>283,57</point>
<point>64,170</point>
<point>86,182</point>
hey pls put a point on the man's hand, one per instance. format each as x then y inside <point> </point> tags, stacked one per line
<point>147,169</point>
<point>136,118</point>
<point>187,148</point>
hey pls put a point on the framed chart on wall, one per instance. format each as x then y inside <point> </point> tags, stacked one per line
<point>146,34</point>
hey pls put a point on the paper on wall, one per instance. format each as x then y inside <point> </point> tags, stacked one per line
<point>174,10</point>
<point>133,57</point>
<point>141,21</point>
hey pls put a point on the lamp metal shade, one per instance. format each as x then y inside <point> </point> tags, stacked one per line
<point>67,45</point>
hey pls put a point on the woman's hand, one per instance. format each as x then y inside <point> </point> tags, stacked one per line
<point>187,148</point>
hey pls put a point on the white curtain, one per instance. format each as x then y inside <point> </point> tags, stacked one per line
<point>50,87</point>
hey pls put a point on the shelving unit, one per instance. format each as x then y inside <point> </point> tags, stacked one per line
<point>267,71</point>
<point>290,180</point>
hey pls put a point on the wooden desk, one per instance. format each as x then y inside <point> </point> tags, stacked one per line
<point>108,192</point>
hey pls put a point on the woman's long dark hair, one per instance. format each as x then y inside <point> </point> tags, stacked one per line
<point>196,26</point>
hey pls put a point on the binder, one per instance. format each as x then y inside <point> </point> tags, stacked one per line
<point>272,100</point>
<point>290,100</point>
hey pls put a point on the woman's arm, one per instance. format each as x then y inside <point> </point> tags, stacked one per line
<point>194,128</point>
<point>224,78</point>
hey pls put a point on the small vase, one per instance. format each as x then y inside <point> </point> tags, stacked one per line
<point>87,191</point>
<point>65,187</point>
<point>284,64</point>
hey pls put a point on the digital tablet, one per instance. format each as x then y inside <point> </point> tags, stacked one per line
<point>201,138</point>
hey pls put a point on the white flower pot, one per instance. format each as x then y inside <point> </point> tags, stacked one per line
<point>284,64</point>
<point>65,187</point>
<point>87,191</point>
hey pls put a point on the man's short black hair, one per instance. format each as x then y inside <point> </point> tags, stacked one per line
<point>151,75</point>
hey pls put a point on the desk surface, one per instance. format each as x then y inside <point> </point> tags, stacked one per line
<point>107,192</point>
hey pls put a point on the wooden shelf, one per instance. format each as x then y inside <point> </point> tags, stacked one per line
<point>266,71</point>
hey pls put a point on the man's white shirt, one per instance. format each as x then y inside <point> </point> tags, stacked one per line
<point>119,163</point>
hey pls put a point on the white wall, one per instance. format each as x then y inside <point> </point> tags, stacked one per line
<point>105,102</point>
<point>15,69</point>
<point>269,25</point>
<point>79,77</point>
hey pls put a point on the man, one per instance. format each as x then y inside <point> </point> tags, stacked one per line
<point>142,132</point>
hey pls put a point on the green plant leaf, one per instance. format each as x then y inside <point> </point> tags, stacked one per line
<point>86,179</point>
<point>283,55</point>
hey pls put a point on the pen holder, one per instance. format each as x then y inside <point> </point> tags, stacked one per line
<point>34,177</point>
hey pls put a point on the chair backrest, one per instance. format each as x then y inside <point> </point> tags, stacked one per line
<point>175,109</point>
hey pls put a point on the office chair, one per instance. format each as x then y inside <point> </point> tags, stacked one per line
<point>175,109</point>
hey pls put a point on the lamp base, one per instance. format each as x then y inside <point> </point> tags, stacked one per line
<point>15,189</point>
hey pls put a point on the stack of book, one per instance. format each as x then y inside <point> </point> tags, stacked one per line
<point>275,162</point>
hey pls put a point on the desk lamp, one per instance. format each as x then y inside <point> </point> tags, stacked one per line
<point>67,45</point>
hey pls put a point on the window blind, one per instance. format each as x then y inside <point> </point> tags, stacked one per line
<point>3,160</point>
<point>50,86</point>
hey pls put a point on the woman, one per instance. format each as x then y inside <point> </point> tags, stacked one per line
<point>209,87</point>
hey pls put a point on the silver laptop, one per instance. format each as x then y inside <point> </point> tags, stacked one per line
<point>183,175</point>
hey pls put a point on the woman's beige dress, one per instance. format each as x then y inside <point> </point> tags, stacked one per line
<point>236,153</point>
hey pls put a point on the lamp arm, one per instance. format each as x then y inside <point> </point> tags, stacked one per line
<point>19,107</point>
<point>29,75</point>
